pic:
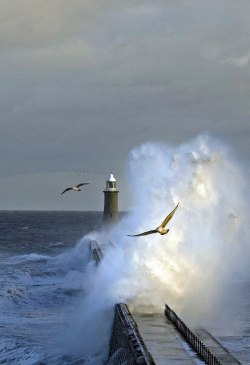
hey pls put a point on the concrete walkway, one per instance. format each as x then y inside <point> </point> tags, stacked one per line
<point>163,341</point>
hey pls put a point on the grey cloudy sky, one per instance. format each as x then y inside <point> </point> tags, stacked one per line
<point>82,82</point>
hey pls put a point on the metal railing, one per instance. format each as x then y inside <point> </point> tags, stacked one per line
<point>198,346</point>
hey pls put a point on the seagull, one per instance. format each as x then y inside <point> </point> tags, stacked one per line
<point>76,188</point>
<point>161,229</point>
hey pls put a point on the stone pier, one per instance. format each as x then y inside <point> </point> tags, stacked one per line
<point>159,339</point>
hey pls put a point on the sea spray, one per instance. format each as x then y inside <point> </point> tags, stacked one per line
<point>192,266</point>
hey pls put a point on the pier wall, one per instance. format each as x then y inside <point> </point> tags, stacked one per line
<point>126,344</point>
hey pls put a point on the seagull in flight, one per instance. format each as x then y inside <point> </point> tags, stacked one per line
<point>161,229</point>
<point>75,188</point>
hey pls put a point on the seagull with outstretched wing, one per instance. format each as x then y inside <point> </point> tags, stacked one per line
<point>75,188</point>
<point>161,229</point>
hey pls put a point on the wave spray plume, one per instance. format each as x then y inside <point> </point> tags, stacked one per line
<point>192,266</point>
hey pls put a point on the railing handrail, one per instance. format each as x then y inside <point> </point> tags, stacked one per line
<point>191,338</point>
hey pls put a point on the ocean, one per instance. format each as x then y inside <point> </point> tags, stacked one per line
<point>44,266</point>
<point>36,294</point>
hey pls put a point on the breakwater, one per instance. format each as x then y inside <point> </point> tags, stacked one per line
<point>95,251</point>
<point>127,345</point>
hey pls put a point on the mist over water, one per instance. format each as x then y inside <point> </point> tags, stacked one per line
<point>196,265</point>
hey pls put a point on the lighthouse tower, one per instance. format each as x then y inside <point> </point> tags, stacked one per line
<point>110,213</point>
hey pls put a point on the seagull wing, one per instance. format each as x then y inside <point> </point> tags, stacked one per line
<point>143,234</point>
<point>78,185</point>
<point>66,190</point>
<point>168,217</point>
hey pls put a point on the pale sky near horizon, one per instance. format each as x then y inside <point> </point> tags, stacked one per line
<point>84,82</point>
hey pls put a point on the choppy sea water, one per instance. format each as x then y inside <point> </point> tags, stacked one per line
<point>38,283</point>
<point>42,269</point>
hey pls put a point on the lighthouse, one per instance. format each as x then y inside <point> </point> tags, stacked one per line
<point>110,213</point>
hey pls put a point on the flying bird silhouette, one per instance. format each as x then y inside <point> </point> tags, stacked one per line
<point>161,229</point>
<point>75,188</point>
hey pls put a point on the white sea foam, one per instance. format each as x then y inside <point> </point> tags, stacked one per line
<point>30,257</point>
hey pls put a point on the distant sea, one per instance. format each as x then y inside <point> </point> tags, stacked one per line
<point>39,264</point>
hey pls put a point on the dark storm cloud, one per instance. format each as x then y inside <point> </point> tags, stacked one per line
<point>82,82</point>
